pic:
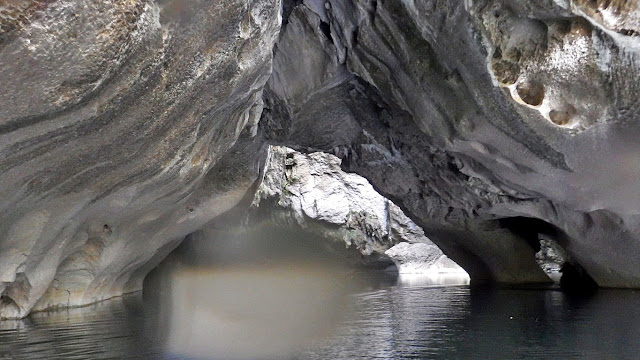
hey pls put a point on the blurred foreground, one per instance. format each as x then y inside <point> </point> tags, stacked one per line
<point>265,293</point>
<point>315,311</point>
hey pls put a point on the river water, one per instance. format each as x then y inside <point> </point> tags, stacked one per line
<point>403,322</point>
<point>389,320</point>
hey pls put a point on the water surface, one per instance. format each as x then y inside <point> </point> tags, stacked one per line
<point>404,322</point>
<point>389,321</point>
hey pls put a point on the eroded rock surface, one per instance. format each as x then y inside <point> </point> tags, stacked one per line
<point>422,258</point>
<point>115,120</point>
<point>488,122</point>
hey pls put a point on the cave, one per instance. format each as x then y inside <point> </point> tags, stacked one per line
<point>497,136</point>
<point>549,244</point>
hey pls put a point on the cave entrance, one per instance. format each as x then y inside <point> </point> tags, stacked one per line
<point>307,208</point>
<point>550,242</point>
<point>312,236</point>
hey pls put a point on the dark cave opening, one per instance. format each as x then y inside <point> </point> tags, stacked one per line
<point>529,229</point>
<point>545,239</point>
<point>326,30</point>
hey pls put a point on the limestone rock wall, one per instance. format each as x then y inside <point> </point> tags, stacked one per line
<point>491,123</point>
<point>116,119</point>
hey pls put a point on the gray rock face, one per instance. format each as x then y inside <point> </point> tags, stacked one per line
<point>551,257</point>
<point>488,122</point>
<point>491,123</point>
<point>115,122</point>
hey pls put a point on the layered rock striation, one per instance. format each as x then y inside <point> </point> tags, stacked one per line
<point>116,121</point>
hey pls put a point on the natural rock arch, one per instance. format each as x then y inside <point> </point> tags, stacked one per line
<point>153,117</point>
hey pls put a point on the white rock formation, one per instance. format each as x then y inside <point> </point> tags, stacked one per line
<point>422,258</point>
<point>314,192</point>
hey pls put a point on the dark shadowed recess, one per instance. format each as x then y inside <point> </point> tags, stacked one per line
<point>575,278</point>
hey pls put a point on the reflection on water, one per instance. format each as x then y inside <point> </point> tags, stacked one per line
<point>257,312</point>
<point>388,322</point>
<point>112,329</point>
<point>461,323</point>
<point>287,297</point>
